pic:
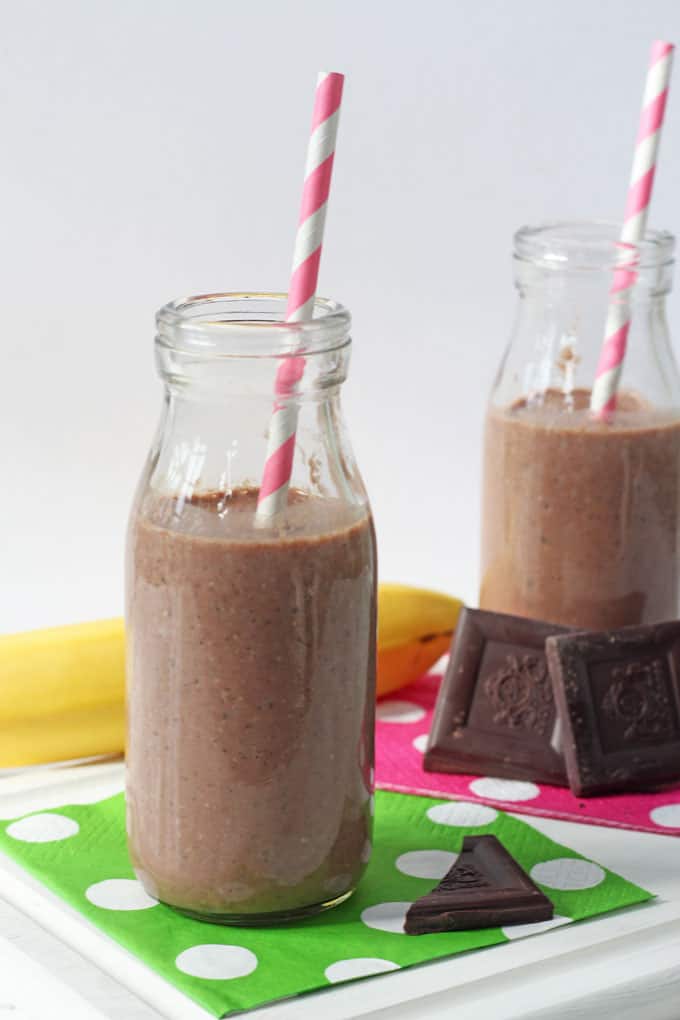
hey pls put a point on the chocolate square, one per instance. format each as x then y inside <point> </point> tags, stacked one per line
<point>618,694</point>
<point>495,711</point>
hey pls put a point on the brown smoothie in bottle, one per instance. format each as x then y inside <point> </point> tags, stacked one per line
<point>581,518</point>
<point>251,698</point>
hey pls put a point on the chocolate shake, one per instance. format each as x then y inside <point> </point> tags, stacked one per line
<point>581,518</point>
<point>251,699</point>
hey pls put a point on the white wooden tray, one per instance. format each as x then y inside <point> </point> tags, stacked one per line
<point>623,965</point>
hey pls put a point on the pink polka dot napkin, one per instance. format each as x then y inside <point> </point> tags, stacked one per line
<point>401,733</point>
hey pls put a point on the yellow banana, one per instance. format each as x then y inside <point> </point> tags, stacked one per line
<point>62,693</point>
<point>414,630</point>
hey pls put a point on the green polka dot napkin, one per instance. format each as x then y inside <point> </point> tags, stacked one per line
<point>79,852</point>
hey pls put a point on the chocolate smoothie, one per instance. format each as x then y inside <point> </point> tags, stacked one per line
<point>251,698</point>
<point>581,518</point>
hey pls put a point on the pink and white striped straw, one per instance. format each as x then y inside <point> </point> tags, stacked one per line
<point>610,365</point>
<point>302,291</point>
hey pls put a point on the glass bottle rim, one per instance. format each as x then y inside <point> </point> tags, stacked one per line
<point>590,245</point>
<point>249,324</point>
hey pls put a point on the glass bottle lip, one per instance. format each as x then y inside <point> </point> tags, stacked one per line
<point>249,324</point>
<point>590,245</point>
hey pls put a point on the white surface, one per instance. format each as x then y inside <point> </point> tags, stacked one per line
<point>155,149</point>
<point>616,965</point>
<point>29,992</point>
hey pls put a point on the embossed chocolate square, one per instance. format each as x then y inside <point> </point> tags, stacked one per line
<point>495,711</point>
<point>618,695</point>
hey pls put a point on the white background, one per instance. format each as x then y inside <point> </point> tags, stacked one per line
<point>153,149</point>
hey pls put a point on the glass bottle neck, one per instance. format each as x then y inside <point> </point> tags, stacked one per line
<point>559,331</point>
<point>569,278</point>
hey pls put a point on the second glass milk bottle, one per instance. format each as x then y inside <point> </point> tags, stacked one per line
<point>251,648</point>
<point>581,517</point>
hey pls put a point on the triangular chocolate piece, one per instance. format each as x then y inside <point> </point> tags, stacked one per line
<point>485,888</point>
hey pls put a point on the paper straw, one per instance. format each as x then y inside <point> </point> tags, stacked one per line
<point>603,395</point>
<point>302,291</point>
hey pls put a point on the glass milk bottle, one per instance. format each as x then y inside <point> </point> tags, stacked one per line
<point>581,518</point>
<point>251,644</point>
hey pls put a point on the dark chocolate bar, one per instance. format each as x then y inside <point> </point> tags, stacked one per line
<point>618,695</point>
<point>485,888</point>
<point>495,711</point>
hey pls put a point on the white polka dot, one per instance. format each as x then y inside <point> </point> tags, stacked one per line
<point>386,916</point>
<point>520,931</point>
<point>462,813</point>
<point>504,789</point>
<point>216,962</point>
<point>568,873</point>
<point>120,894</point>
<point>360,966</point>
<point>426,863</point>
<point>399,711</point>
<point>420,743</point>
<point>43,828</point>
<point>668,815</point>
